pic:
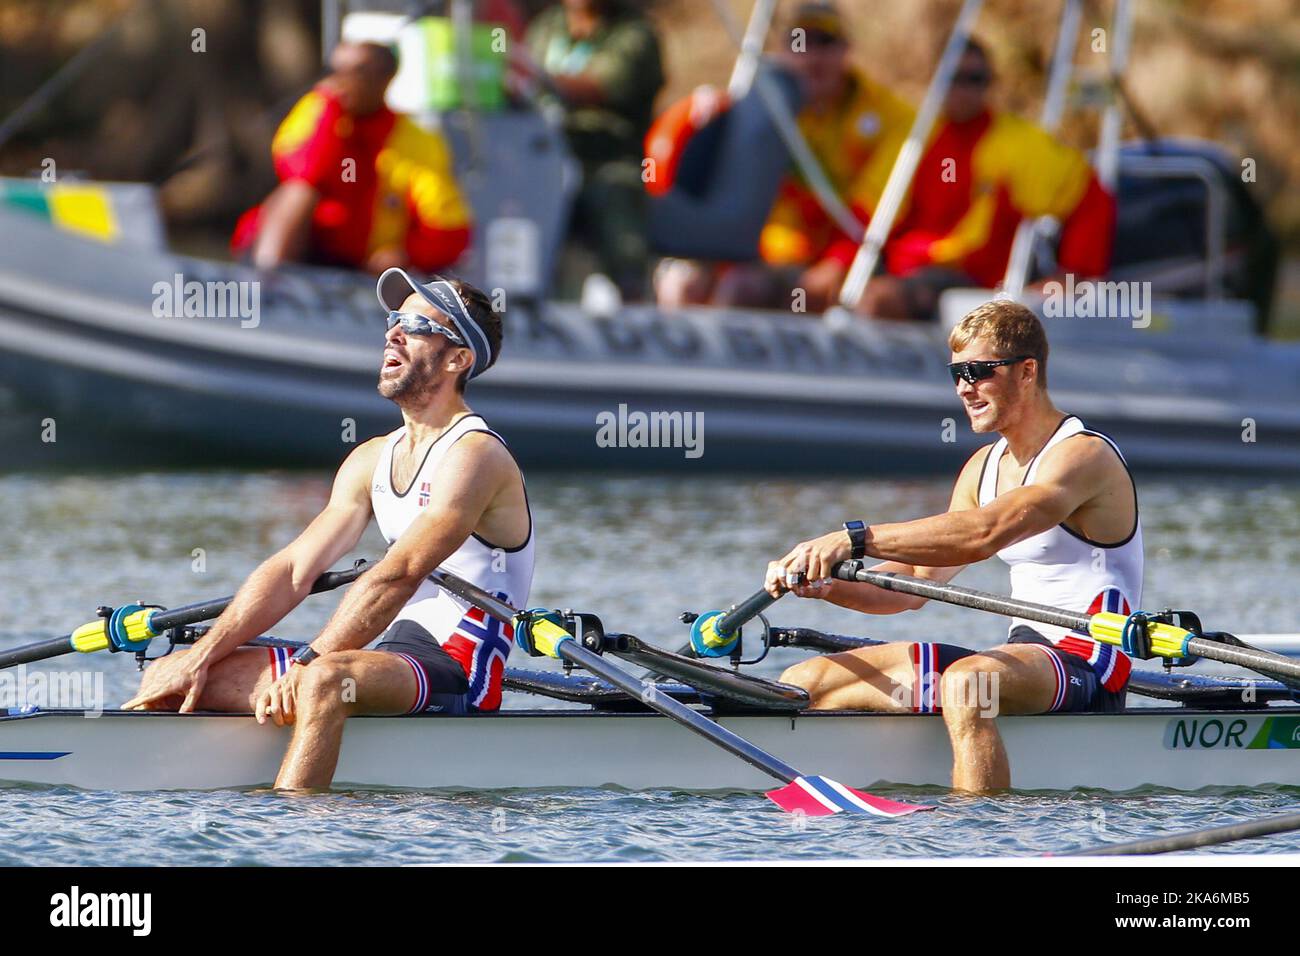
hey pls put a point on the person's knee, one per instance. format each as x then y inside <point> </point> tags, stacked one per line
<point>960,690</point>
<point>328,684</point>
<point>807,674</point>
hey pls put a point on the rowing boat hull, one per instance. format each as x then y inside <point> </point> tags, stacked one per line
<point>1168,747</point>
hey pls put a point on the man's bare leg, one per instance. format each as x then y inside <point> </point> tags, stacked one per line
<point>382,683</point>
<point>284,229</point>
<point>1016,679</point>
<point>331,689</point>
<point>233,684</point>
<point>876,678</point>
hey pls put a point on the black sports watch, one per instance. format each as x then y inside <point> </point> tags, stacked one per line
<point>857,538</point>
<point>304,655</point>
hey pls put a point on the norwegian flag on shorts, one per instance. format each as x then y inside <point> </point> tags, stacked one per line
<point>1111,664</point>
<point>480,645</point>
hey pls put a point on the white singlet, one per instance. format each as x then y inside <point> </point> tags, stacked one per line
<point>1061,567</point>
<point>480,644</point>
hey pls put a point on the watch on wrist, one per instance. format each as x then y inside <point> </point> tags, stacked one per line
<point>303,655</point>
<point>857,538</point>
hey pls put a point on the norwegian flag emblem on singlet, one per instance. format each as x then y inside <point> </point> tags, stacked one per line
<point>424,494</point>
<point>1111,664</point>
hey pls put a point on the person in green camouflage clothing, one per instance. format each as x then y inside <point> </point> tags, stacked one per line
<point>600,61</point>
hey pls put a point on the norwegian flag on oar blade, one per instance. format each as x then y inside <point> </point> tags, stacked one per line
<point>820,797</point>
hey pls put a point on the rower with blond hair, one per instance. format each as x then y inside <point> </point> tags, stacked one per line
<point>1053,499</point>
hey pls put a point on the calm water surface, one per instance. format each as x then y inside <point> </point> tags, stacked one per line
<point>637,551</point>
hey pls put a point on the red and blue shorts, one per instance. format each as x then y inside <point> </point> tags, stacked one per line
<point>1080,685</point>
<point>441,684</point>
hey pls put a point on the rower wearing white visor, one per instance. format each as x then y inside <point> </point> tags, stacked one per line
<point>446,494</point>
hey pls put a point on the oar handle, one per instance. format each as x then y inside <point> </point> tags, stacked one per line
<point>744,612</point>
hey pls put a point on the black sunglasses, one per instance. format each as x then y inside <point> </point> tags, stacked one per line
<point>978,371</point>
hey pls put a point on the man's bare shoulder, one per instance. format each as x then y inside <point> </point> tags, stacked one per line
<point>356,471</point>
<point>367,453</point>
<point>965,492</point>
<point>484,452</point>
<point>1083,455</point>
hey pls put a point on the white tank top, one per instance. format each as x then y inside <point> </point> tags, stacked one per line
<point>479,643</point>
<point>1061,567</point>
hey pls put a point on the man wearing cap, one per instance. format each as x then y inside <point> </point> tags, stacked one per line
<point>446,493</point>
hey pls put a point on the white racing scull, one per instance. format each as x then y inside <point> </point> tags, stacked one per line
<point>1173,747</point>
<point>1228,732</point>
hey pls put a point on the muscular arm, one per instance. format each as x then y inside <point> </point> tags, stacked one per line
<point>282,581</point>
<point>1067,479</point>
<point>870,599</point>
<point>475,471</point>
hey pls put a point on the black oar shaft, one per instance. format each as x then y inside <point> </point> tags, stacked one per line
<point>819,640</point>
<point>744,612</point>
<point>575,653</point>
<point>1253,658</point>
<point>207,610</point>
<point>40,651</point>
<point>1198,838</point>
<point>175,617</point>
<point>962,597</point>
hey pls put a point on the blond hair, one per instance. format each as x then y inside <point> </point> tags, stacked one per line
<point>1009,327</point>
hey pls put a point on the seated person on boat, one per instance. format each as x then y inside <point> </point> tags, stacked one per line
<point>360,186</point>
<point>854,127</point>
<point>1052,498</point>
<point>598,61</point>
<point>446,493</point>
<point>983,172</point>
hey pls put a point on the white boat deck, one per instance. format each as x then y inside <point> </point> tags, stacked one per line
<point>1173,747</point>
